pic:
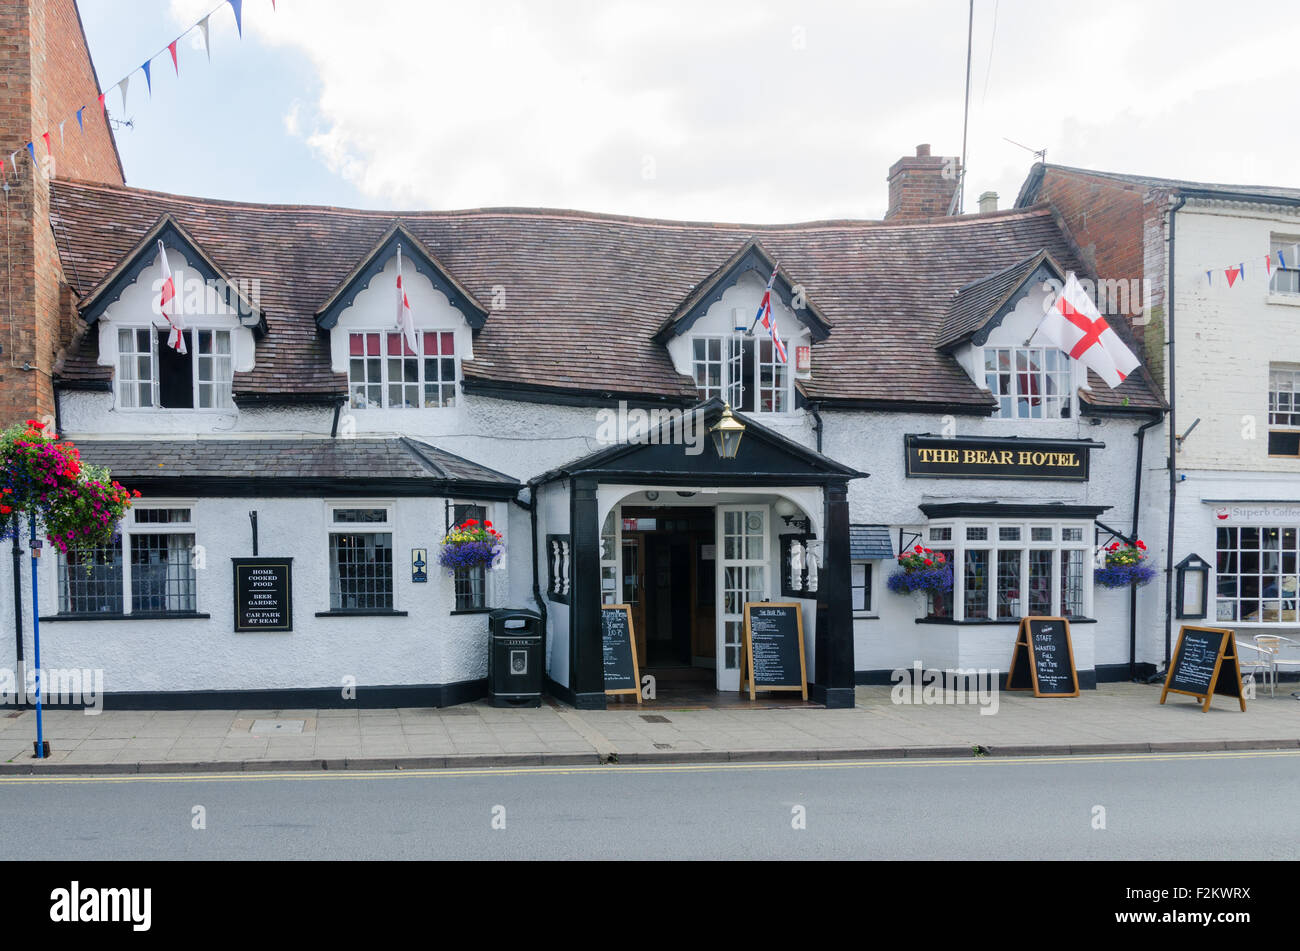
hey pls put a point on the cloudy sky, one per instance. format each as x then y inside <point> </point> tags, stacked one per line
<point>711,109</point>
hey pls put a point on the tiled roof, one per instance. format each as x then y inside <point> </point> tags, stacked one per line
<point>346,459</point>
<point>868,542</point>
<point>584,293</point>
<point>1029,191</point>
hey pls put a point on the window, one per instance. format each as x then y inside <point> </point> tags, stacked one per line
<point>743,370</point>
<point>158,577</point>
<point>470,583</point>
<point>1257,574</point>
<point>860,586</point>
<point>1286,274</point>
<point>384,372</point>
<point>151,375</point>
<point>361,559</point>
<point>1006,571</point>
<point>1029,382</point>
<point>1284,409</point>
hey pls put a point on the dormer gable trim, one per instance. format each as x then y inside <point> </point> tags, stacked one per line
<point>418,256</point>
<point>979,307</point>
<point>751,256</point>
<point>144,255</point>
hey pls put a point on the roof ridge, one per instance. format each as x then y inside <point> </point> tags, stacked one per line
<point>516,211</point>
<point>412,447</point>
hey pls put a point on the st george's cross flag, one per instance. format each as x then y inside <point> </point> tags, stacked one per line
<point>768,319</point>
<point>167,306</point>
<point>1074,325</point>
<point>405,322</point>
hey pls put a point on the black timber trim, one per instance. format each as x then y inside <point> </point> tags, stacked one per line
<point>138,616</point>
<point>414,251</point>
<point>990,621</point>
<point>144,254</point>
<point>289,399</point>
<point>751,257</point>
<point>906,406</point>
<point>1011,442</point>
<point>1046,270</point>
<point>569,396</point>
<point>1087,408</point>
<point>83,386</point>
<point>271,487</point>
<point>935,510</point>
<point>363,613</point>
<point>377,697</point>
<point>586,637</point>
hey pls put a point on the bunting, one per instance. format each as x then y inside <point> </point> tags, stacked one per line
<point>123,85</point>
<point>1282,259</point>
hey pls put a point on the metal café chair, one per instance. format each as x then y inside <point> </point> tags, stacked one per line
<point>1258,660</point>
<point>1284,652</point>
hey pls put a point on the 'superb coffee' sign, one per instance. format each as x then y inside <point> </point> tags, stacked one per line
<point>965,458</point>
<point>263,594</point>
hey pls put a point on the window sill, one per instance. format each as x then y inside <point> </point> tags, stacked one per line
<point>994,622</point>
<point>139,616</point>
<point>1286,300</point>
<point>361,614</point>
<point>472,611</point>
<point>866,617</point>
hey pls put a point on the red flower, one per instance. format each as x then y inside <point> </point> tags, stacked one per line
<point>5,510</point>
<point>928,562</point>
<point>487,524</point>
<point>1141,545</point>
<point>1113,547</point>
<point>917,549</point>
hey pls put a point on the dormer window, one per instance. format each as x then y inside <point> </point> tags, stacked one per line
<point>151,375</point>
<point>384,372</point>
<point>743,370</point>
<point>1029,382</point>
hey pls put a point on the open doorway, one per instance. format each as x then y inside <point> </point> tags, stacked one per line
<point>669,562</point>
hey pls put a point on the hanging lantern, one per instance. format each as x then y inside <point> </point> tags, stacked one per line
<point>726,433</point>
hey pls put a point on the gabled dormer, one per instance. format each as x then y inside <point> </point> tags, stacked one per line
<point>711,336</point>
<point>360,316</point>
<point>988,327</point>
<point>221,316</point>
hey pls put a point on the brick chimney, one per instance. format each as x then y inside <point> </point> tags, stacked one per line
<point>45,76</point>
<point>921,186</point>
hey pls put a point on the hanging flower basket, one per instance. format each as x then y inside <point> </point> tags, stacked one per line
<point>78,505</point>
<point>1126,566</point>
<point>921,569</point>
<point>470,544</point>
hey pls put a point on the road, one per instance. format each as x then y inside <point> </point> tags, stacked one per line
<point>1042,807</point>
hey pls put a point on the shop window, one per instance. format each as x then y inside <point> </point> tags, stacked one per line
<point>743,370</point>
<point>1257,574</point>
<point>1029,382</point>
<point>361,559</point>
<point>557,567</point>
<point>158,577</point>
<point>150,374</point>
<point>1284,409</point>
<point>1003,572</point>
<point>384,372</point>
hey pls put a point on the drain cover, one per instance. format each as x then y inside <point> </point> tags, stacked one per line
<point>654,718</point>
<point>278,726</point>
<point>663,746</point>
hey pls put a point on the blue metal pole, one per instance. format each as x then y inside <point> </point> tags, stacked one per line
<point>36,637</point>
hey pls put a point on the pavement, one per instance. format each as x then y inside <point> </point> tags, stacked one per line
<point>1114,718</point>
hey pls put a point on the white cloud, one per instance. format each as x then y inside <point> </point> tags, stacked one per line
<point>569,103</point>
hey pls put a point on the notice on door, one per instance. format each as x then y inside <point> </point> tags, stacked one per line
<point>263,594</point>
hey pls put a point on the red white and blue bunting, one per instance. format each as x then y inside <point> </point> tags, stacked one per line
<point>1286,259</point>
<point>9,167</point>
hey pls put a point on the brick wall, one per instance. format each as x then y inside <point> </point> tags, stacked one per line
<point>921,186</point>
<point>45,76</point>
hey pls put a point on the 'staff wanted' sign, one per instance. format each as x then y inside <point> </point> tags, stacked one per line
<point>263,594</point>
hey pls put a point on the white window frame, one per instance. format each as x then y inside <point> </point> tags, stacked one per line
<point>1009,403</point>
<point>388,525</point>
<point>1281,599</point>
<point>959,544</point>
<point>225,402</point>
<point>420,358</point>
<point>1289,275</point>
<point>731,350</point>
<point>869,609</point>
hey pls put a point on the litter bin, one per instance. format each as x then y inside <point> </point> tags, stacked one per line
<point>515,658</point>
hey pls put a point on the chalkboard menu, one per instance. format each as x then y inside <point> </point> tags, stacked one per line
<point>1205,663</point>
<point>1043,658</point>
<point>263,594</point>
<point>619,639</point>
<point>772,656</point>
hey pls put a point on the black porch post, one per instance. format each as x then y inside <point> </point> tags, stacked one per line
<point>587,675</point>
<point>834,678</point>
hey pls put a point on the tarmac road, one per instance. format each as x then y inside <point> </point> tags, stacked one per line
<point>988,808</point>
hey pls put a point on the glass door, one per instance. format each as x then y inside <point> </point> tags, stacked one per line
<point>742,577</point>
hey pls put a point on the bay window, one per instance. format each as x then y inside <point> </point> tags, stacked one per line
<point>384,372</point>
<point>1258,574</point>
<point>1003,571</point>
